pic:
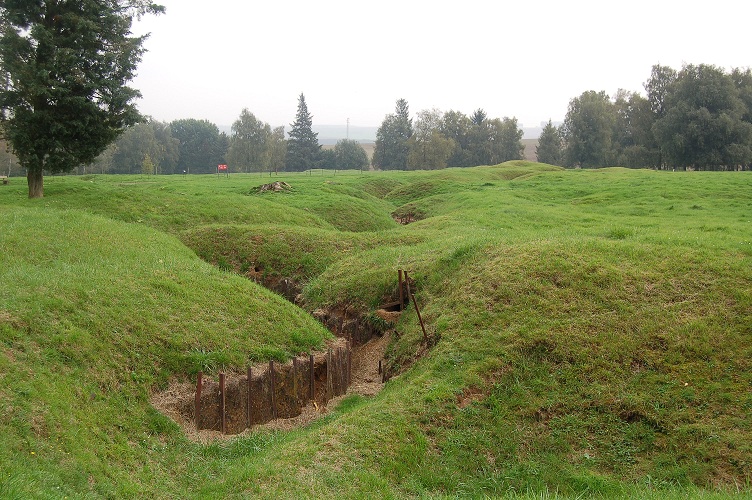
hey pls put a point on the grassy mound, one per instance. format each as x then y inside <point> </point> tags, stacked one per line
<point>94,315</point>
<point>594,332</point>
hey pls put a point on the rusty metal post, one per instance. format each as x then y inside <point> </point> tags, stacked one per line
<point>199,386</point>
<point>311,388</point>
<point>272,390</point>
<point>248,402</point>
<point>222,402</point>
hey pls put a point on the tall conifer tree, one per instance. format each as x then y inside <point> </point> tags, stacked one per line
<point>65,68</point>
<point>392,148</point>
<point>303,147</point>
<point>549,145</point>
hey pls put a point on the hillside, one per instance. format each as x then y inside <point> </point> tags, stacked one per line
<point>589,332</point>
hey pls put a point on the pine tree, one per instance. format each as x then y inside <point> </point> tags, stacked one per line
<point>66,66</point>
<point>303,145</point>
<point>392,148</point>
<point>549,145</point>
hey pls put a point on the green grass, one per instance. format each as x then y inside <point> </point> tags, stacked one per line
<point>594,328</point>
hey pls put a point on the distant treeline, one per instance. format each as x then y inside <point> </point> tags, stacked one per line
<point>699,117</point>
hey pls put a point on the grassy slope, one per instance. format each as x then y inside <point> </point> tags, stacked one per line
<point>594,331</point>
<point>94,314</point>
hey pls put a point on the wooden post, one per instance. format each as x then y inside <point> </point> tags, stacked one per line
<point>272,389</point>
<point>338,365</point>
<point>328,374</point>
<point>343,368</point>
<point>401,293</point>
<point>295,380</point>
<point>412,297</point>
<point>335,374</point>
<point>311,388</point>
<point>349,363</point>
<point>199,386</point>
<point>379,367</point>
<point>248,403</point>
<point>222,402</point>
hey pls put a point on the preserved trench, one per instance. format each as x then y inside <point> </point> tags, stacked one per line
<point>286,395</point>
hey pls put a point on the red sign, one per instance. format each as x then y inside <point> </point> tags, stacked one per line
<point>221,167</point>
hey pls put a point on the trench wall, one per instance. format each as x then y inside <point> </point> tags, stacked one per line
<point>230,404</point>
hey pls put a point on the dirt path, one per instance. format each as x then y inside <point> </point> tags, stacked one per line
<point>366,379</point>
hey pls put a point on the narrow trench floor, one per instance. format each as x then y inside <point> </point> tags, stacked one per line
<point>365,381</point>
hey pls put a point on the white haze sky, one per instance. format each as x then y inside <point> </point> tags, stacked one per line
<point>354,59</point>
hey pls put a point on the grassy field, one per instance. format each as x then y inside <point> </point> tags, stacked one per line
<point>594,332</point>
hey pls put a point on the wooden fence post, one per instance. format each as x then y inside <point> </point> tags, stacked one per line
<point>222,402</point>
<point>311,366</point>
<point>401,293</point>
<point>199,386</point>
<point>349,363</point>
<point>411,296</point>
<point>272,389</point>
<point>342,370</point>
<point>295,380</point>
<point>248,403</point>
<point>328,374</point>
<point>337,373</point>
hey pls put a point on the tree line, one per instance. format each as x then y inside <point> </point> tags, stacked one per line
<point>198,147</point>
<point>65,102</point>
<point>445,139</point>
<point>434,140</point>
<point>699,118</point>
<point>696,118</point>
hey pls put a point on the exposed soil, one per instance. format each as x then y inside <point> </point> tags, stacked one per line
<point>366,381</point>
<point>369,344</point>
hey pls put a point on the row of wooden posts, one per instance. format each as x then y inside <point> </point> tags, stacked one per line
<point>280,391</point>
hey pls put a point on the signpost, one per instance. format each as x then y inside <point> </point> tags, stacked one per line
<point>222,169</point>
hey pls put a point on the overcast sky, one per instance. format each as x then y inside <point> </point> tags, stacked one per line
<point>354,59</point>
